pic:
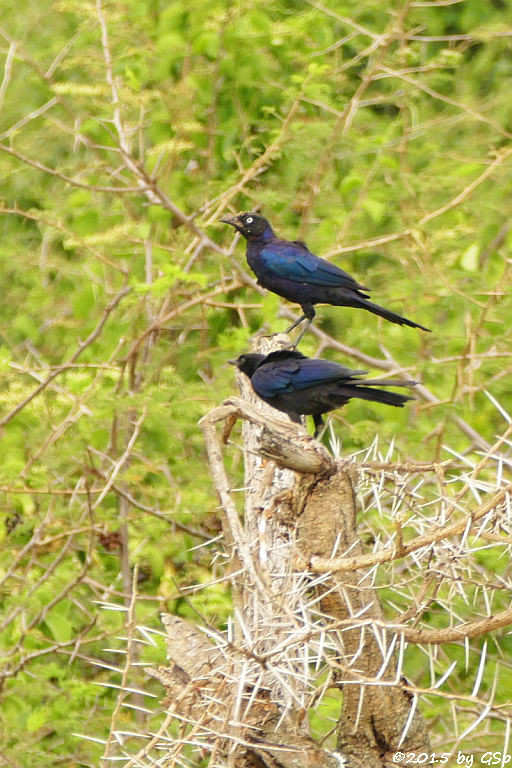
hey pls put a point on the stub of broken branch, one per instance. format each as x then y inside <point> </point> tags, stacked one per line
<point>287,444</point>
<point>199,684</point>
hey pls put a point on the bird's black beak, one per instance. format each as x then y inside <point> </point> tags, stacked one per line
<point>233,220</point>
<point>232,362</point>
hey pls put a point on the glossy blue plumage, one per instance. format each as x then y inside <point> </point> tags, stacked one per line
<point>285,374</point>
<point>293,261</point>
<point>299,385</point>
<point>288,268</point>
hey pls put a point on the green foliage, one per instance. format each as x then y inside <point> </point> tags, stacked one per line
<point>377,166</point>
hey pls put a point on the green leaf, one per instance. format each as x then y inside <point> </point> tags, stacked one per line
<point>56,620</point>
<point>375,209</point>
<point>469,259</point>
<point>37,719</point>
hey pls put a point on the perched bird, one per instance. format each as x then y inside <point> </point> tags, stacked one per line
<point>300,385</point>
<point>288,268</point>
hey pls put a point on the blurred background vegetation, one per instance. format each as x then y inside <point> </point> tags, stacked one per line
<point>379,132</point>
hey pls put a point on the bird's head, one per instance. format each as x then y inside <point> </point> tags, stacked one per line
<point>251,225</point>
<point>247,363</point>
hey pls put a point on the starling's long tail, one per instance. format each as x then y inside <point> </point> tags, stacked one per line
<point>387,314</point>
<point>382,395</point>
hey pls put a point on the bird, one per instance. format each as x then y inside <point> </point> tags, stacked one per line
<point>300,385</point>
<point>288,268</point>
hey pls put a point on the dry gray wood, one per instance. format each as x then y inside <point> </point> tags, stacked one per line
<point>246,695</point>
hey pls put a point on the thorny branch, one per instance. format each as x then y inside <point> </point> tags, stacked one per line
<point>312,501</point>
<point>394,553</point>
<point>342,564</point>
<point>473,523</point>
<point>127,669</point>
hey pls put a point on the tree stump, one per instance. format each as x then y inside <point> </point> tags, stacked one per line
<point>245,695</point>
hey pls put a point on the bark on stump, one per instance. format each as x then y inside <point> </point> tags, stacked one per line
<point>246,695</point>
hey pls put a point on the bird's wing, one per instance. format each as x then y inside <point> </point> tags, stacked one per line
<point>285,376</point>
<point>294,261</point>
<point>275,378</point>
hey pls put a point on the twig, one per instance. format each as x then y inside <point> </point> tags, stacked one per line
<point>347,564</point>
<point>127,669</point>
<point>177,311</point>
<point>464,631</point>
<point>84,344</point>
<point>122,459</point>
<point>7,72</point>
<point>66,179</point>
<point>389,365</point>
<point>223,489</point>
<point>145,183</point>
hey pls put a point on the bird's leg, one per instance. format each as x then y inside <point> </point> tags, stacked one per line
<point>324,429</point>
<point>319,423</point>
<point>301,334</point>
<point>309,314</point>
<point>296,323</point>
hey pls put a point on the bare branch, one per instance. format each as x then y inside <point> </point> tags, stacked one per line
<point>285,443</point>
<point>347,564</point>
<point>62,176</point>
<point>82,346</point>
<point>7,72</point>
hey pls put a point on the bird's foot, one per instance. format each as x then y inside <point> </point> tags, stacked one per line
<point>269,335</point>
<point>291,345</point>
